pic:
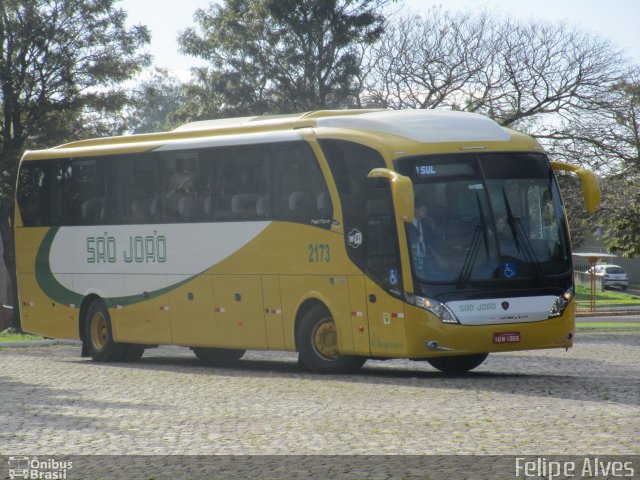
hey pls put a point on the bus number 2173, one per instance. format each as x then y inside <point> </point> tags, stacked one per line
<point>319,253</point>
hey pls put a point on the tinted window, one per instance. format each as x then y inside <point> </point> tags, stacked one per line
<point>242,179</point>
<point>350,163</point>
<point>381,239</point>
<point>485,217</point>
<point>84,191</point>
<point>35,194</point>
<point>300,192</point>
<point>244,182</point>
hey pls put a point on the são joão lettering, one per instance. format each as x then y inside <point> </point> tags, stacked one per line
<point>135,249</point>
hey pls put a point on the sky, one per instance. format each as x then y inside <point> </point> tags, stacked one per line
<point>614,20</point>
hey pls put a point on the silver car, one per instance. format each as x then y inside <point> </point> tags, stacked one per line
<point>612,276</point>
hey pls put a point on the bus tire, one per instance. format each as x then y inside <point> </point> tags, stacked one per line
<point>216,355</point>
<point>317,343</point>
<point>98,335</point>
<point>459,364</point>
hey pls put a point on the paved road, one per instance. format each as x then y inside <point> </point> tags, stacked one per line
<point>584,401</point>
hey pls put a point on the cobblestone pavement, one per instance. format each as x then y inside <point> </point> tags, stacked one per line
<point>581,402</point>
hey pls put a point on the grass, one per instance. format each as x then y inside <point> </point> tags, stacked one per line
<point>607,298</point>
<point>607,324</point>
<point>10,335</point>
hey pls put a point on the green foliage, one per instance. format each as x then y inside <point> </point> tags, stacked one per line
<point>622,216</point>
<point>12,335</point>
<point>279,56</point>
<point>59,63</point>
<point>605,298</point>
<point>154,103</point>
<point>60,66</point>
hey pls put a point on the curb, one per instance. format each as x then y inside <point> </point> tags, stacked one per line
<point>39,343</point>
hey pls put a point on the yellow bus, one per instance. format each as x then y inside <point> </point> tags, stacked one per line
<point>341,235</point>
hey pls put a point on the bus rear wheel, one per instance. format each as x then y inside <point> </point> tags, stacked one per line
<point>99,337</point>
<point>216,355</point>
<point>317,342</point>
<point>459,364</point>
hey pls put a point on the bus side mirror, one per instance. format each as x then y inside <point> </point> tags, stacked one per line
<point>401,190</point>
<point>590,188</point>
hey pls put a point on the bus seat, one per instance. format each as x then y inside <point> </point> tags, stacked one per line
<point>139,209</point>
<point>302,204</point>
<point>85,209</point>
<point>296,201</point>
<point>323,203</point>
<point>261,205</point>
<point>244,203</point>
<point>208,206</point>
<point>154,207</point>
<point>92,211</point>
<point>185,206</point>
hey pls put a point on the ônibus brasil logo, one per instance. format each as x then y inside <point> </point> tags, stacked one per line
<point>35,468</point>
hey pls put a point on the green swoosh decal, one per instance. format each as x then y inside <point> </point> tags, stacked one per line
<point>44,276</point>
<point>61,294</point>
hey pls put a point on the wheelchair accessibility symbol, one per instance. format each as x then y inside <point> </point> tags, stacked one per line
<point>509,270</point>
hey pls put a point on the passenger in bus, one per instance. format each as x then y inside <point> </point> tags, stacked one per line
<point>506,236</point>
<point>421,235</point>
<point>181,185</point>
<point>183,179</point>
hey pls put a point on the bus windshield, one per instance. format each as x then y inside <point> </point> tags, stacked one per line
<point>485,217</point>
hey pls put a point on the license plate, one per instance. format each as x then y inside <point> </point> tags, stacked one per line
<point>506,337</point>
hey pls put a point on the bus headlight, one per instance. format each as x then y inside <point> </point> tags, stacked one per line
<point>436,307</point>
<point>560,304</point>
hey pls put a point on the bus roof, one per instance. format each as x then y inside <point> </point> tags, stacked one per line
<point>423,126</point>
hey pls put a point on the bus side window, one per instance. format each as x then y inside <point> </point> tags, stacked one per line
<point>350,163</point>
<point>301,193</point>
<point>241,183</point>
<point>36,194</point>
<point>182,187</point>
<point>137,191</point>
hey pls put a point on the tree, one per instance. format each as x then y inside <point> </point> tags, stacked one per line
<point>60,64</point>
<point>154,103</point>
<point>621,141</point>
<point>573,91</point>
<point>279,56</point>
<point>524,75</point>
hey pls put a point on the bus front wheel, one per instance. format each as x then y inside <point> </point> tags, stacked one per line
<point>99,337</point>
<point>459,364</point>
<point>317,342</point>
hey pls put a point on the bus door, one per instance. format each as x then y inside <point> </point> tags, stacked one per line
<point>383,273</point>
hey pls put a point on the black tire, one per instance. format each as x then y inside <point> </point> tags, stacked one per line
<point>98,335</point>
<point>217,355</point>
<point>317,343</point>
<point>460,364</point>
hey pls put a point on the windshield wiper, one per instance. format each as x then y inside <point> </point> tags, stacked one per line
<point>521,239</point>
<point>472,253</point>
